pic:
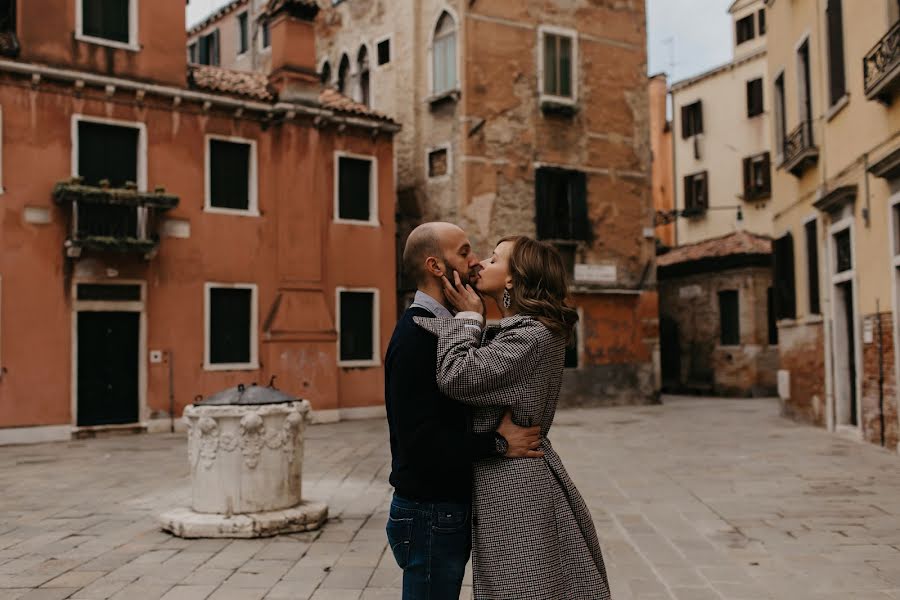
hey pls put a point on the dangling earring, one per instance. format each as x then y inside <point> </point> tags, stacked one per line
<point>507,299</point>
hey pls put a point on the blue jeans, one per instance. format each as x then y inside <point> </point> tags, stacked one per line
<point>431,542</point>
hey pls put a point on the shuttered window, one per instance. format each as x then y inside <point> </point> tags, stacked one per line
<point>243,33</point>
<point>230,175</point>
<point>696,194</point>
<point>357,326</point>
<point>107,152</point>
<point>230,322</point>
<point>729,318</point>
<point>745,29</point>
<point>757,177</point>
<point>561,205</point>
<point>837,84</point>
<point>785,289</point>
<point>106,19</point>
<point>754,98</point>
<point>355,189</point>
<point>208,49</point>
<point>780,115</point>
<point>812,267</point>
<point>762,21</point>
<point>692,119</point>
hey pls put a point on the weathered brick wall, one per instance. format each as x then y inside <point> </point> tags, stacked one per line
<point>871,414</point>
<point>801,347</point>
<point>692,303</point>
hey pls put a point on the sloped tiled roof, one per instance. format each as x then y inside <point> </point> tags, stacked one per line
<point>215,16</point>
<point>334,100</point>
<point>238,83</point>
<point>740,242</point>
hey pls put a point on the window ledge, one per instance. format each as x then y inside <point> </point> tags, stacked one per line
<point>356,222</point>
<point>357,364</point>
<point>558,106</point>
<point>837,107</point>
<point>448,96</point>
<point>231,367</point>
<point>133,47</point>
<point>230,211</point>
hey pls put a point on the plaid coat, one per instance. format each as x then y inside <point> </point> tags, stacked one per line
<point>533,536</point>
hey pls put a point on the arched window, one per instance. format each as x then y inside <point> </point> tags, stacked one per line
<point>362,69</point>
<point>343,73</point>
<point>443,51</point>
<point>325,74</point>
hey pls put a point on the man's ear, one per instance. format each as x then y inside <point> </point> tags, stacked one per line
<point>433,267</point>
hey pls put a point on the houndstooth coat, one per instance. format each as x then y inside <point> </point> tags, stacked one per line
<point>533,536</point>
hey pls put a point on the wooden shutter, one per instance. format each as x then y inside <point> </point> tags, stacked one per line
<point>107,152</point>
<point>354,188</point>
<point>767,175</point>
<point>581,224</point>
<point>229,174</point>
<point>698,117</point>
<point>229,325</point>
<point>748,178</point>
<point>785,295</point>
<point>357,326</point>
<point>542,212</point>
<point>685,122</point>
<point>812,267</point>
<point>214,48</point>
<point>836,78</point>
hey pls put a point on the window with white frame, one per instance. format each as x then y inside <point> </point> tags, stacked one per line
<point>111,22</point>
<point>355,189</point>
<point>231,322</point>
<point>357,327</point>
<point>443,56</point>
<point>243,32</point>
<point>231,175</point>
<point>558,51</point>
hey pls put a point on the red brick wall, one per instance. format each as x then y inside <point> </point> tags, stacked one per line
<point>871,421</point>
<point>802,353</point>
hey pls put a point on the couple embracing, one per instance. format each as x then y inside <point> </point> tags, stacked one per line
<point>469,410</point>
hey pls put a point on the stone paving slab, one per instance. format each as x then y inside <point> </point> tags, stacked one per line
<point>696,499</point>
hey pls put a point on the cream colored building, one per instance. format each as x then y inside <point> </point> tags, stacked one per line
<point>721,138</point>
<point>833,72</point>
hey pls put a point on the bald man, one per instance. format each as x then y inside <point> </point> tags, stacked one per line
<point>432,443</point>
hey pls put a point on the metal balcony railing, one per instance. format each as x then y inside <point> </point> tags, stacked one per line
<point>799,150</point>
<point>881,66</point>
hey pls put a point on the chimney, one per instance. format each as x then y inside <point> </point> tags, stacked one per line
<point>293,38</point>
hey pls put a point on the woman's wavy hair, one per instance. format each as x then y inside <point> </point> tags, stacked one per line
<point>541,284</point>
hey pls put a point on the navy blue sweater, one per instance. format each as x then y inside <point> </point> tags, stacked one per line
<point>432,443</point>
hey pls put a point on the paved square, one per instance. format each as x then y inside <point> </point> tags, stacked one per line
<point>695,499</point>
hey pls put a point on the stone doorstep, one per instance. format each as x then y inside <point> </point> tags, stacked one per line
<point>184,522</point>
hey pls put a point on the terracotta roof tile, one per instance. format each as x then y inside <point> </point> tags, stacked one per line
<point>740,242</point>
<point>238,83</point>
<point>332,99</point>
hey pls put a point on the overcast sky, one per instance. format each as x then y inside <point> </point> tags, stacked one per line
<point>684,37</point>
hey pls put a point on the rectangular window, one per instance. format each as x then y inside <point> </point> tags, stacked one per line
<point>231,175</point>
<point>384,52</point>
<point>8,16</point>
<point>837,85</point>
<point>773,322</point>
<point>843,252</point>
<point>108,153</point>
<point>355,189</point>
<point>780,123</point>
<point>559,65</point>
<point>785,289</point>
<point>754,97</point>
<point>729,318</point>
<point>438,162</point>
<point>243,32</point>
<point>745,29</point>
<point>358,331</point>
<point>696,194</point>
<point>231,327</point>
<point>692,119</point>
<point>193,53</point>
<point>757,177</point>
<point>804,83</point>
<point>108,20</point>
<point>762,21</point>
<point>208,52</point>
<point>561,205</point>
<point>812,266</point>
<point>265,35</point>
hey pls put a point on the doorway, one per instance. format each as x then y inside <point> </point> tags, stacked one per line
<point>845,348</point>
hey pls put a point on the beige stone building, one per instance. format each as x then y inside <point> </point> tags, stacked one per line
<point>522,116</point>
<point>833,73</point>
<point>721,138</point>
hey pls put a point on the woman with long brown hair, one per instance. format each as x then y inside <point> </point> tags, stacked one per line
<point>533,536</point>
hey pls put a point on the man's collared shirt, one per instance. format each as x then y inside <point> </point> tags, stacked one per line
<point>425,301</point>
